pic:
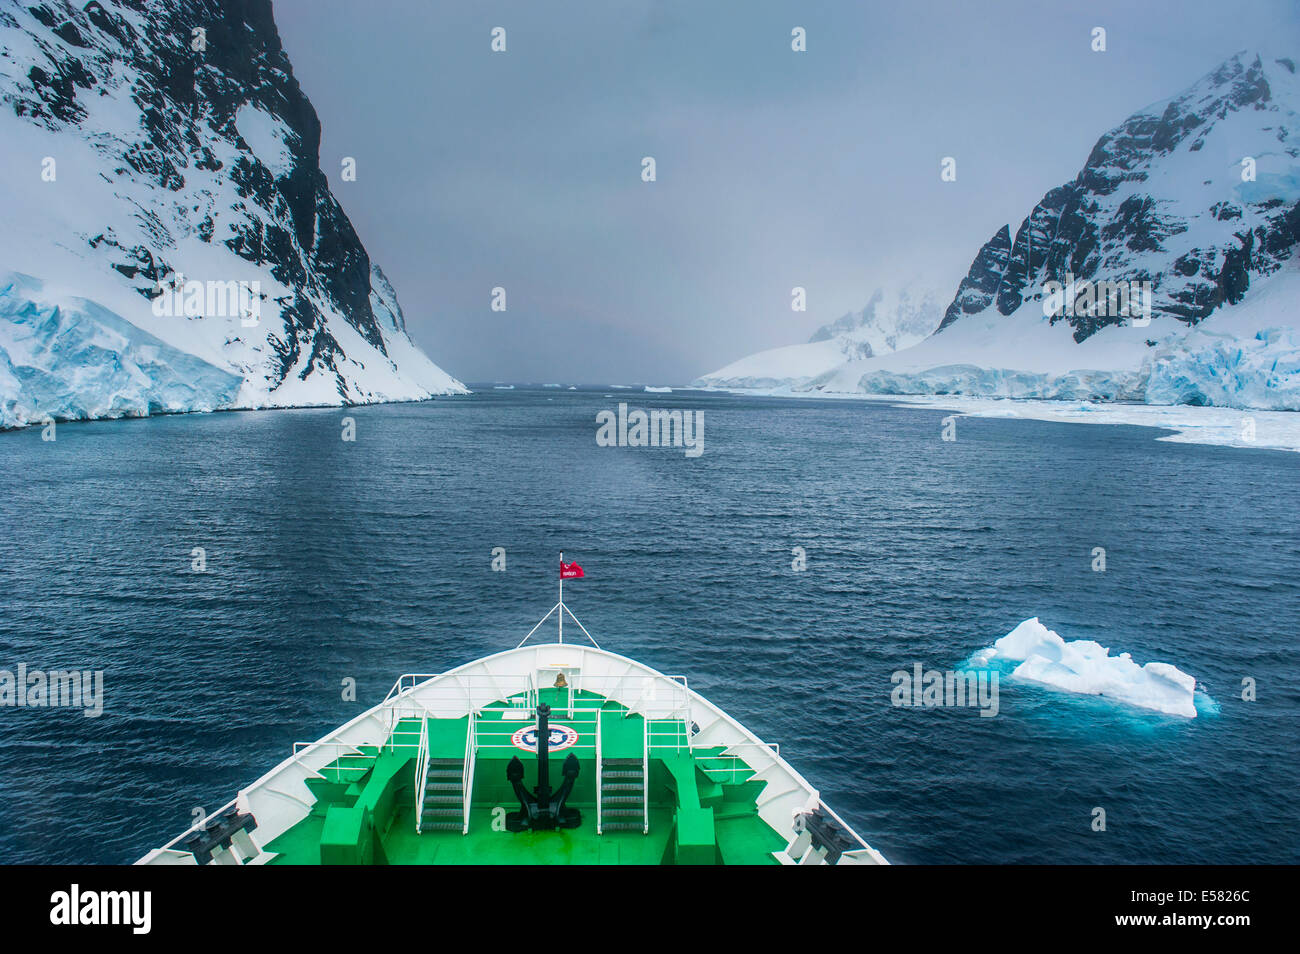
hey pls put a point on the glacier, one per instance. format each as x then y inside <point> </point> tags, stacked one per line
<point>67,358</point>
<point>1261,371</point>
<point>1244,357</point>
<point>1086,667</point>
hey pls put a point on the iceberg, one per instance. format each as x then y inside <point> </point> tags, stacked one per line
<point>1087,667</point>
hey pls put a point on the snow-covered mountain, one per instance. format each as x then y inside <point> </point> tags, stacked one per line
<point>892,319</point>
<point>1162,197</point>
<point>164,146</point>
<point>1199,196</point>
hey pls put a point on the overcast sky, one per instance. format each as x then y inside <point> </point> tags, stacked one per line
<point>775,169</point>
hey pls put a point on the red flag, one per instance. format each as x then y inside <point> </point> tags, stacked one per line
<point>570,571</point>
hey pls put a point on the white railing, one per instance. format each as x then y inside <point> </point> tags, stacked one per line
<point>458,693</point>
<point>735,764</point>
<point>672,734</point>
<point>584,715</point>
<point>531,695</point>
<point>408,681</point>
<point>600,788</point>
<point>467,776</point>
<point>396,716</point>
<point>657,697</point>
<point>354,752</point>
<point>645,777</point>
<point>421,773</point>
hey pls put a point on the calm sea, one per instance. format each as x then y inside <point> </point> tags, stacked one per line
<point>329,560</point>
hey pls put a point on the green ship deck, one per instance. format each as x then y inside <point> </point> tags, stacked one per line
<point>445,771</point>
<point>657,798</point>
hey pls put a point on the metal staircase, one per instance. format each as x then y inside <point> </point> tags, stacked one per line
<point>622,795</point>
<point>443,806</point>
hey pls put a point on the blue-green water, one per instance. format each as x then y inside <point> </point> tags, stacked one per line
<point>329,560</point>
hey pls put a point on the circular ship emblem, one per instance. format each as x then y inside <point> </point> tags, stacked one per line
<point>561,737</point>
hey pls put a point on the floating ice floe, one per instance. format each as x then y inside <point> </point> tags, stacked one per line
<point>1087,667</point>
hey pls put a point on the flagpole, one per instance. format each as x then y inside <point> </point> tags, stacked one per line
<point>561,596</point>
